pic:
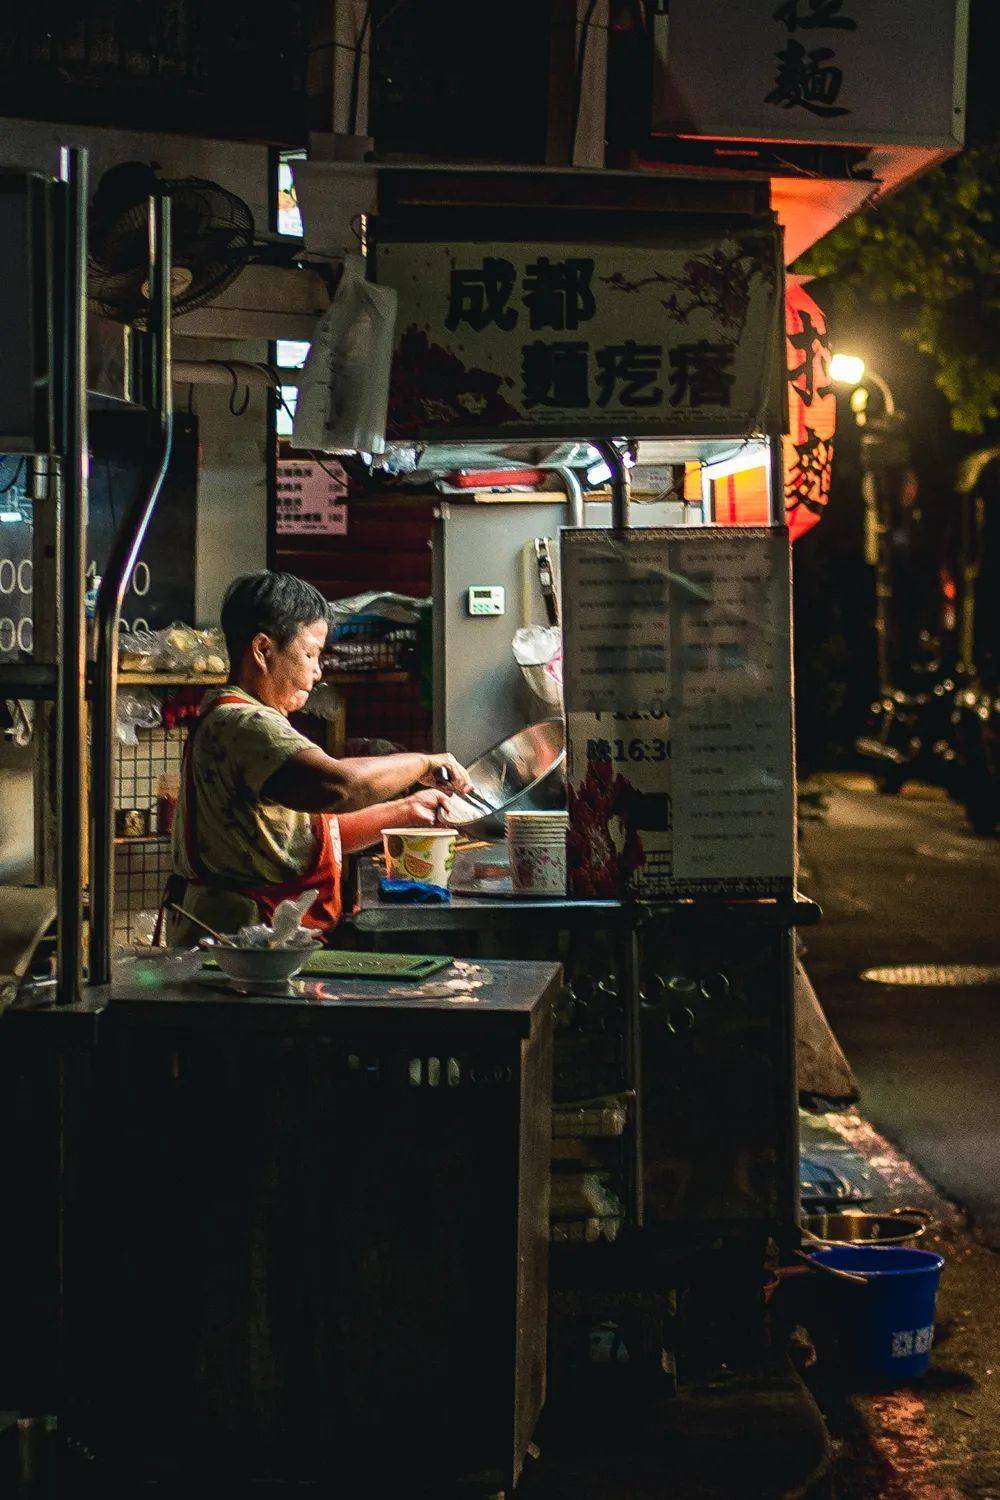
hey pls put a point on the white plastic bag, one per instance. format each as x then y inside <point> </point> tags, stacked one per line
<point>344,390</point>
<point>137,709</point>
<point>538,652</point>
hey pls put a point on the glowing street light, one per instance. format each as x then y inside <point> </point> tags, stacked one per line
<point>850,369</point>
<point>847,369</point>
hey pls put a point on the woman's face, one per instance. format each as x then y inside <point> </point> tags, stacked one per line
<point>290,672</point>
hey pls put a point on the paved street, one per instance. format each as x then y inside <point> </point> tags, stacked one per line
<point>903,881</point>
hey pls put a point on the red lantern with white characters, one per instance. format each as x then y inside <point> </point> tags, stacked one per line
<point>812,412</point>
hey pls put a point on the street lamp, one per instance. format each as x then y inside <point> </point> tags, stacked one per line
<point>847,369</point>
<point>850,370</point>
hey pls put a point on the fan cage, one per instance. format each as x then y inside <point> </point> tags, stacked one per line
<point>212,235</point>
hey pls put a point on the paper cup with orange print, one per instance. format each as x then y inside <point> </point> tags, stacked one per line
<point>426,854</point>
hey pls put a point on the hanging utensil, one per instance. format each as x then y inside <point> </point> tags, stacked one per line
<point>546,579</point>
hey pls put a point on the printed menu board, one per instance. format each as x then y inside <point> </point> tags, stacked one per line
<point>677,669</point>
<point>310,498</point>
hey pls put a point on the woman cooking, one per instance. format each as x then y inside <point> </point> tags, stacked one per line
<point>253,825</point>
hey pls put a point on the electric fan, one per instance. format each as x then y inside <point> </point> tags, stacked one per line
<point>212,238</point>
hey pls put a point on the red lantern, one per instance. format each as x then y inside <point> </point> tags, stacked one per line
<point>812,413</point>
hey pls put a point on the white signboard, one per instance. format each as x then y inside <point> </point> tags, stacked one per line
<point>497,340</point>
<point>310,498</point>
<point>851,71</point>
<point>677,670</point>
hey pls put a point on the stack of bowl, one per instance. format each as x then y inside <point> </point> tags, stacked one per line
<point>537,844</point>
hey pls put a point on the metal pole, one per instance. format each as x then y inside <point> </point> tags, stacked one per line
<point>882,386</point>
<point>776,481</point>
<point>878,554</point>
<point>620,496</point>
<point>117,575</point>
<point>883,583</point>
<point>71,665</point>
<point>633,1043</point>
<point>574,493</point>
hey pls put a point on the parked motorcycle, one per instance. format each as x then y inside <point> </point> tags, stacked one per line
<point>911,735</point>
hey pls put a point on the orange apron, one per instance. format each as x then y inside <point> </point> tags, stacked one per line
<point>323,875</point>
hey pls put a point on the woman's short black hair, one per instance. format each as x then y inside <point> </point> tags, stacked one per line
<point>275,603</point>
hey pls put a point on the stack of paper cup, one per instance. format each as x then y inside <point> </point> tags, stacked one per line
<point>537,844</point>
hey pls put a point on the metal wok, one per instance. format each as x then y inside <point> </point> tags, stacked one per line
<point>527,769</point>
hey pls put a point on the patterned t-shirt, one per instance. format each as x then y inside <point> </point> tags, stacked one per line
<point>241,836</point>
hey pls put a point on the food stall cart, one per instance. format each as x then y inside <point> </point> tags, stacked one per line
<point>673,1073</point>
<point>251,1225</point>
<point>675,1034</point>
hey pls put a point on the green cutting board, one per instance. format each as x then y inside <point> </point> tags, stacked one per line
<point>376,965</point>
<point>333,964</point>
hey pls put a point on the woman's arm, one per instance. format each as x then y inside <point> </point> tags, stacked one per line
<point>312,781</point>
<point>359,830</point>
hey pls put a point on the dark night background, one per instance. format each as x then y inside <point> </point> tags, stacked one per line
<point>834,587</point>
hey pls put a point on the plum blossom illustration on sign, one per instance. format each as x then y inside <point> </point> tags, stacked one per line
<point>719,281</point>
<point>601,857</point>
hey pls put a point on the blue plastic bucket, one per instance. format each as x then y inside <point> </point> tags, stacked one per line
<point>887,1325</point>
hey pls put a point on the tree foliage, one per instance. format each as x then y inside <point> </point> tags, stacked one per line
<point>929,253</point>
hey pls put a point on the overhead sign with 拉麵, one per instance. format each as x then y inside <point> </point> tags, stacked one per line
<point>863,72</point>
<point>504,340</point>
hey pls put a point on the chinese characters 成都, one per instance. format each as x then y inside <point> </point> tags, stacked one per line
<point>556,294</point>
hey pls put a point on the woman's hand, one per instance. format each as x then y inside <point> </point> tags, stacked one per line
<point>424,809</point>
<point>459,776</point>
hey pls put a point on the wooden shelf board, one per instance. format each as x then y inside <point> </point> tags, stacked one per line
<point>172,679</point>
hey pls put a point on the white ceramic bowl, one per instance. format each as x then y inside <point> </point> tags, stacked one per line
<point>260,965</point>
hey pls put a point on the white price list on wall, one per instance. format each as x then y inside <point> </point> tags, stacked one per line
<point>310,498</point>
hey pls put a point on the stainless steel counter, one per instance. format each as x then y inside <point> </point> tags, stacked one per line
<point>297,1236</point>
<point>495,908</point>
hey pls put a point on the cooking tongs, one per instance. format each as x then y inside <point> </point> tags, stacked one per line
<point>443,778</point>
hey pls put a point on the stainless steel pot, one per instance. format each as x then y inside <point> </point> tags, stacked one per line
<point>527,769</point>
<point>853,1226</point>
